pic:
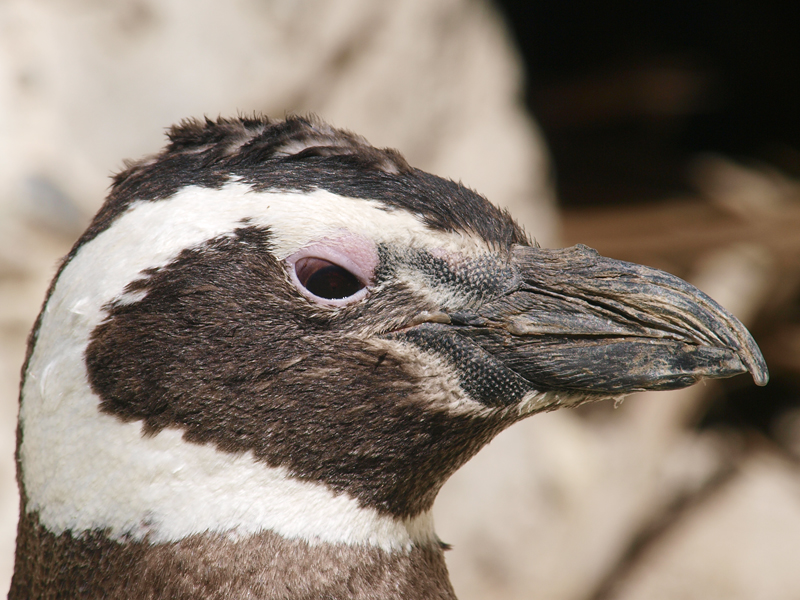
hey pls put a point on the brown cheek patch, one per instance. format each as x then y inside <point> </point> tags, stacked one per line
<point>225,349</point>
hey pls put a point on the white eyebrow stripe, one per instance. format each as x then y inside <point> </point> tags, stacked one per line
<point>295,219</point>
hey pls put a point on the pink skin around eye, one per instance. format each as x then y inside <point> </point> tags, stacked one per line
<point>354,253</point>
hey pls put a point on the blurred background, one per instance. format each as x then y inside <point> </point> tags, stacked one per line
<point>665,132</point>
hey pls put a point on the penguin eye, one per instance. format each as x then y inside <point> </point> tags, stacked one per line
<point>334,272</point>
<point>325,279</point>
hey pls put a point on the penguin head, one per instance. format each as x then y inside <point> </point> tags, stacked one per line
<point>277,305</point>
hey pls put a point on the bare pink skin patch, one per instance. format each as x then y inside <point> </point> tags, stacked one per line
<point>355,254</point>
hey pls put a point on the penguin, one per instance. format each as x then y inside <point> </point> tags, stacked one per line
<point>275,342</point>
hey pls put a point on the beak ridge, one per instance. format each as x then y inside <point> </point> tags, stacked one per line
<point>575,320</point>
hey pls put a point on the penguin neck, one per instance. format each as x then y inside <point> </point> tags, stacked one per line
<point>210,565</point>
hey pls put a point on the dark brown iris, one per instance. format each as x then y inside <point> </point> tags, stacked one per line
<point>325,279</point>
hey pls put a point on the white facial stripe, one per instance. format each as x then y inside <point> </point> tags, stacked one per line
<point>84,470</point>
<point>438,380</point>
<point>165,489</point>
<point>297,219</point>
<point>445,297</point>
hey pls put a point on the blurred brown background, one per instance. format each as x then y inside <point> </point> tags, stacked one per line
<point>673,138</point>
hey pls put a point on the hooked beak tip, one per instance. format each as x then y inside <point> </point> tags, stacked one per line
<point>754,362</point>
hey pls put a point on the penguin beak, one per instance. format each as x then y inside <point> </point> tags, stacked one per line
<point>573,320</point>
